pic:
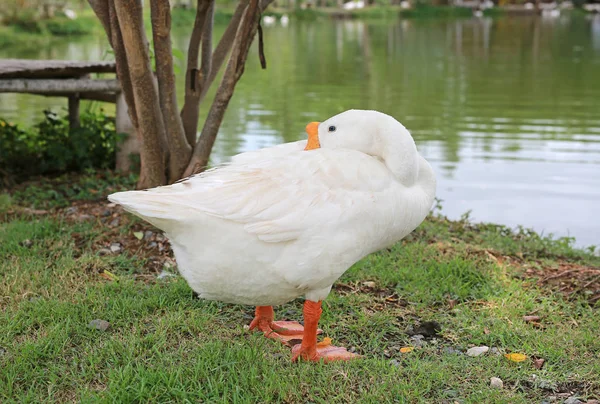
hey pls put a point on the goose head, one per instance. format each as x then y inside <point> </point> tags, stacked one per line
<point>373,133</point>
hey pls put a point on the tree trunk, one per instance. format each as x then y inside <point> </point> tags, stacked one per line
<point>191,106</point>
<point>233,72</point>
<point>154,145</point>
<point>180,150</point>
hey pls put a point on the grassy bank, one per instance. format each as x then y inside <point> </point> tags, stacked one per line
<point>67,258</point>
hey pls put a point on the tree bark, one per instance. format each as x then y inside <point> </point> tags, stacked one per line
<point>74,122</point>
<point>233,72</point>
<point>190,111</point>
<point>180,150</point>
<point>101,9</point>
<point>151,127</point>
<point>121,61</point>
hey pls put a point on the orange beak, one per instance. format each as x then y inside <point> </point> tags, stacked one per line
<point>313,136</point>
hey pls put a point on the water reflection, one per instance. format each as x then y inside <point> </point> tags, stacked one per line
<point>506,109</point>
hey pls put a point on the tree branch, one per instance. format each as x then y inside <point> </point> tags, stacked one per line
<point>233,72</point>
<point>121,63</point>
<point>151,127</point>
<point>205,67</point>
<point>226,42</point>
<point>224,46</point>
<point>179,149</point>
<point>190,110</point>
<point>100,8</point>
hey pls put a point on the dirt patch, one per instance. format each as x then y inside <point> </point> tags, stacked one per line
<point>120,232</point>
<point>570,279</point>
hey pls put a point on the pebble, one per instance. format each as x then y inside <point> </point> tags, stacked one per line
<point>27,243</point>
<point>115,247</point>
<point>395,362</point>
<point>152,244</point>
<point>573,400</point>
<point>84,217</point>
<point>101,325</point>
<point>114,222</point>
<point>496,383</point>
<point>104,251</point>
<point>369,284</point>
<point>165,274</point>
<point>148,234</point>
<point>417,341</point>
<point>495,351</point>
<point>71,210</point>
<point>477,350</point>
<point>451,350</point>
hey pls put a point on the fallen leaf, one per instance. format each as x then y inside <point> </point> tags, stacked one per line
<point>538,363</point>
<point>109,275</point>
<point>138,234</point>
<point>531,319</point>
<point>515,357</point>
<point>326,342</point>
<point>406,349</point>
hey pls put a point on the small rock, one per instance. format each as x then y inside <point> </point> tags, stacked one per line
<point>395,362</point>
<point>111,205</point>
<point>495,351</point>
<point>105,213</point>
<point>165,274</point>
<point>26,243</point>
<point>104,251</point>
<point>352,349</point>
<point>71,210</point>
<point>101,325</point>
<point>115,247</point>
<point>417,341</point>
<point>496,383</point>
<point>114,222</point>
<point>573,400</point>
<point>452,351</point>
<point>2,351</point>
<point>477,350</point>
<point>148,234</point>
<point>428,329</point>
<point>152,244</point>
<point>369,284</point>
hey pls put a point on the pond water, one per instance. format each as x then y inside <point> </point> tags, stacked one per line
<point>507,110</point>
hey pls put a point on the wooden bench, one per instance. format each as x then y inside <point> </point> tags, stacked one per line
<point>71,79</point>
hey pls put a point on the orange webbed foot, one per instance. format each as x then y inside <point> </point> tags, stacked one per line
<point>288,332</point>
<point>323,350</point>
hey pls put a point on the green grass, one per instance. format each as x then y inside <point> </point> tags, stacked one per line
<point>166,346</point>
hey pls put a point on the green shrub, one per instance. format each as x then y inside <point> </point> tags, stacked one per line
<point>63,26</point>
<point>51,147</point>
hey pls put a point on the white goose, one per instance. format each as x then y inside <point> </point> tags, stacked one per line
<point>287,221</point>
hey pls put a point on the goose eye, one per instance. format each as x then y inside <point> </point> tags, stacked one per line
<point>332,128</point>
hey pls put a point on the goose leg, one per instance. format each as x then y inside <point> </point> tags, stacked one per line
<point>284,331</point>
<point>309,349</point>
